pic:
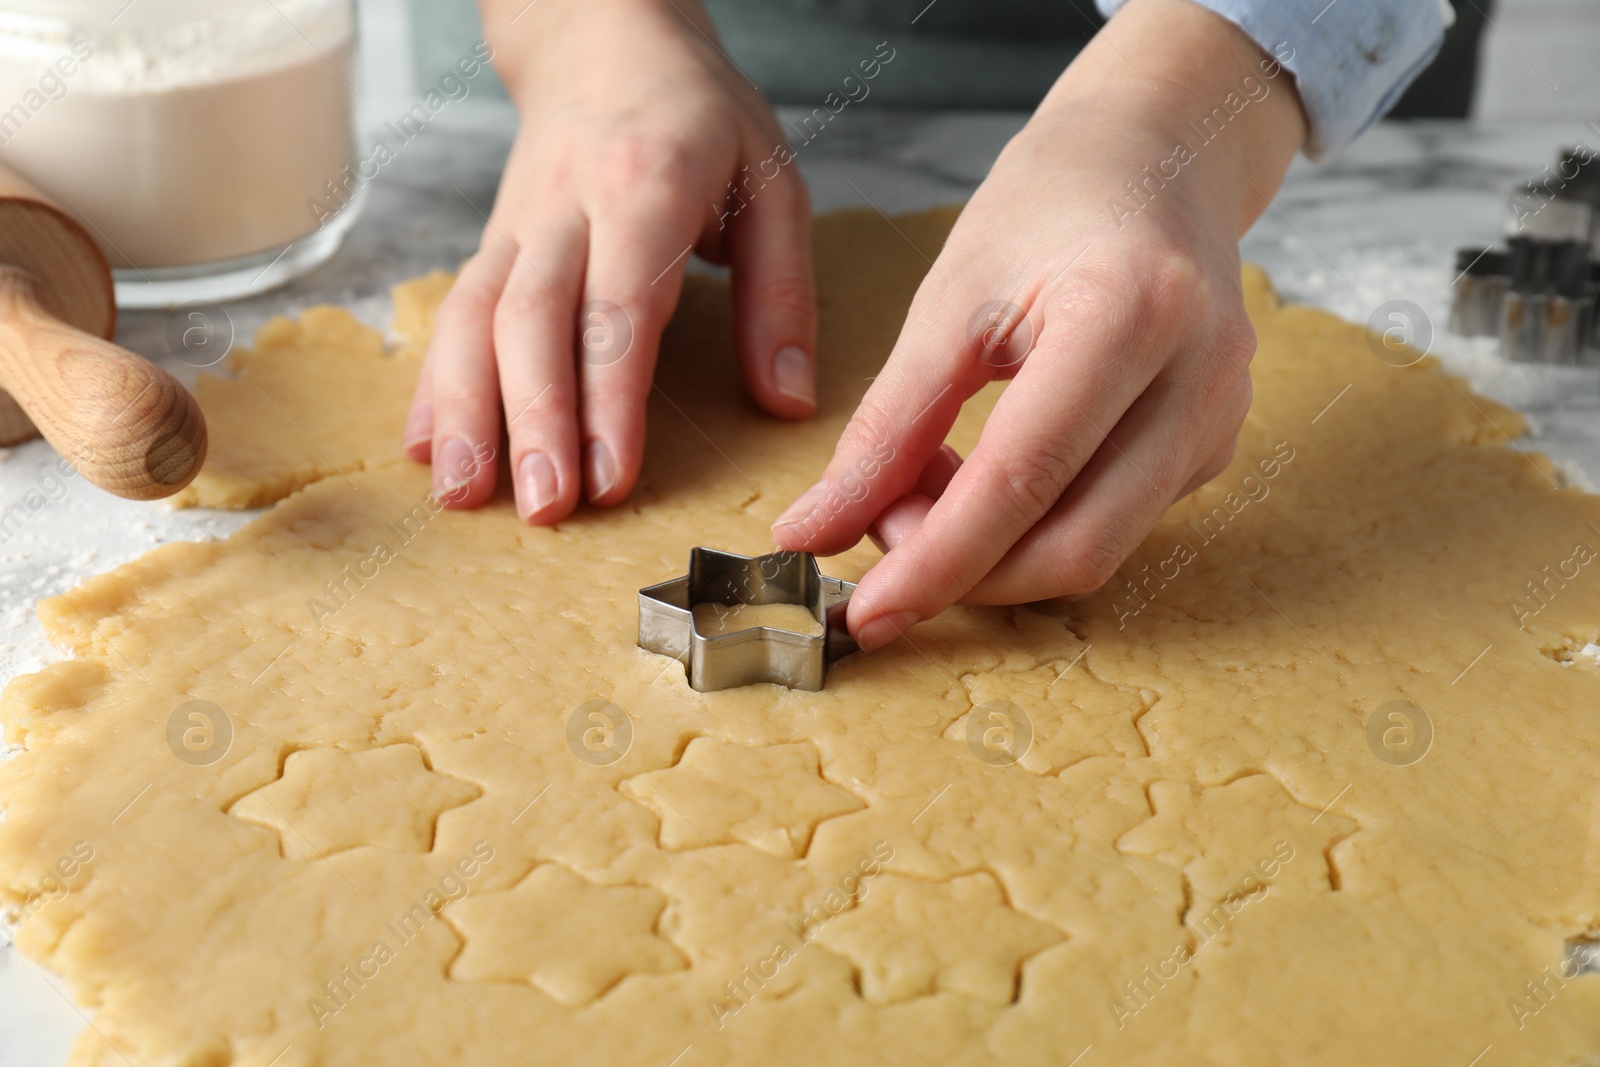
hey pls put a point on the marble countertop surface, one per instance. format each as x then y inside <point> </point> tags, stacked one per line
<point>1380,224</point>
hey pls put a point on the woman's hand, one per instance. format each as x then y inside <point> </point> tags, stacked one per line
<point>1098,264</point>
<point>635,137</point>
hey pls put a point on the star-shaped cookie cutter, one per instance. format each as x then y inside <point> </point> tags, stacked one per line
<point>760,653</point>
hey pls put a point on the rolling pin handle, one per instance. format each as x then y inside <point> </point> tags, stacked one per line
<point>126,425</point>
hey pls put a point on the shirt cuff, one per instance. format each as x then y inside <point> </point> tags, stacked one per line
<point>1351,59</point>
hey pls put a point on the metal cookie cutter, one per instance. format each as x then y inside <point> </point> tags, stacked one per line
<point>1539,293</point>
<point>760,653</point>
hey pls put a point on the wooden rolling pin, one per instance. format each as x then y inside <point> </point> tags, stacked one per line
<point>127,425</point>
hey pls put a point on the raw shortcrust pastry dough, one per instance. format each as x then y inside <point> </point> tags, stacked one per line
<point>781,877</point>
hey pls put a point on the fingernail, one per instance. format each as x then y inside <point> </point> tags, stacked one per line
<point>419,426</point>
<point>451,466</point>
<point>536,484</point>
<point>886,628</point>
<point>601,469</point>
<point>791,371</point>
<point>803,505</point>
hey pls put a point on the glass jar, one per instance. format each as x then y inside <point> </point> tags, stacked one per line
<point>207,144</point>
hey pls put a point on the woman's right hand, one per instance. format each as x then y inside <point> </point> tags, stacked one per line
<point>636,131</point>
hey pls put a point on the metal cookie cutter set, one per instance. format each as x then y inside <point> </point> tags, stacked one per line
<point>1538,293</point>
<point>758,653</point>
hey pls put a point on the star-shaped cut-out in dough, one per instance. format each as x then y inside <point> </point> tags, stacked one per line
<point>329,800</point>
<point>912,937</point>
<point>770,797</point>
<point>562,934</point>
<point>1066,715</point>
<point>1230,839</point>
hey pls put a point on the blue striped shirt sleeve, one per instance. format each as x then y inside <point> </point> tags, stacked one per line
<point>1351,59</point>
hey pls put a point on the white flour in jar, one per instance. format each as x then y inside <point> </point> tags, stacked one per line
<point>184,133</point>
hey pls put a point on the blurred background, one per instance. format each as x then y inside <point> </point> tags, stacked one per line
<point>1504,59</point>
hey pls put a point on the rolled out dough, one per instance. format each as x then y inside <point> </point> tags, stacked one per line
<point>376,783</point>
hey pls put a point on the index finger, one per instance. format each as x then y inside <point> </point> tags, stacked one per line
<point>938,362</point>
<point>1041,433</point>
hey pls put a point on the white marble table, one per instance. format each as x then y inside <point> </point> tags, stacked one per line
<point>1380,224</point>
